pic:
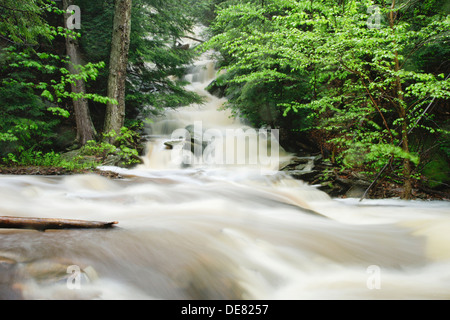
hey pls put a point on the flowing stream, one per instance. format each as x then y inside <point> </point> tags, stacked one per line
<point>202,231</point>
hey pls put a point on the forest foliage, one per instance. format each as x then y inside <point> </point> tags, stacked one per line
<point>365,83</point>
<point>37,103</point>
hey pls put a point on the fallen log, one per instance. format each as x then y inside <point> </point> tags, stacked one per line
<point>43,224</point>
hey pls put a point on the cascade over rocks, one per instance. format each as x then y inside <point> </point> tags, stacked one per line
<point>314,171</point>
<point>348,183</point>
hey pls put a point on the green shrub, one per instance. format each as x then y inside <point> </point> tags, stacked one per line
<point>125,147</point>
<point>49,159</point>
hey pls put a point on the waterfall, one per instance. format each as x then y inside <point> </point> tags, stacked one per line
<point>208,134</point>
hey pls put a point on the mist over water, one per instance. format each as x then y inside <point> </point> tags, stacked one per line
<point>217,232</point>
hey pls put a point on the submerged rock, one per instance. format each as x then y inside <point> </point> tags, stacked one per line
<point>323,175</point>
<point>51,279</point>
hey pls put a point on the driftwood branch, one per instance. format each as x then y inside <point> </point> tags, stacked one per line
<point>43,224</point>
<point>195,39</point>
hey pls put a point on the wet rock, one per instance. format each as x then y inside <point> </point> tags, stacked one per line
<point>305,175</point>
<point>71,155</point>
<point>314,171</point>
<point>173,143</point>
<point>196,139</point>
<point>112,160</point>
<point>54,270</point>
<point>326,177</point>
<point>355,192</point>
<point>302,163</point>
<point>216,89</point>
<point>8,269</point>
<point>6,264</point>
<point>44,271</point>
<point>51,279</point>
<point>302,168</point>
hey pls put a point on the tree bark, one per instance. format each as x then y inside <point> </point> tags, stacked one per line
<point>43,224</point>
<point>401,110</point>
<point>120,44</point>
<point>85,127</point>
<point>407,187</point>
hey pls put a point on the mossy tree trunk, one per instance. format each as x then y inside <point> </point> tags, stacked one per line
<point>85,127</point>
<point>115,113</point>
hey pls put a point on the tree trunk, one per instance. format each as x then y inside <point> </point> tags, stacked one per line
<point>85,127</point>
<point>407,187</point>
<point>115,113</point>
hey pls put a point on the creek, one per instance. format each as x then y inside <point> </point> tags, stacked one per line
<point>202,231</point>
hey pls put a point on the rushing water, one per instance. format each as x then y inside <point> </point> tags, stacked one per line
<point>217,232</point>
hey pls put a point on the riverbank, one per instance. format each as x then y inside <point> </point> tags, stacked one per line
<point>338,184</point>
<point>347,183</point>
<point>55,171</point>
